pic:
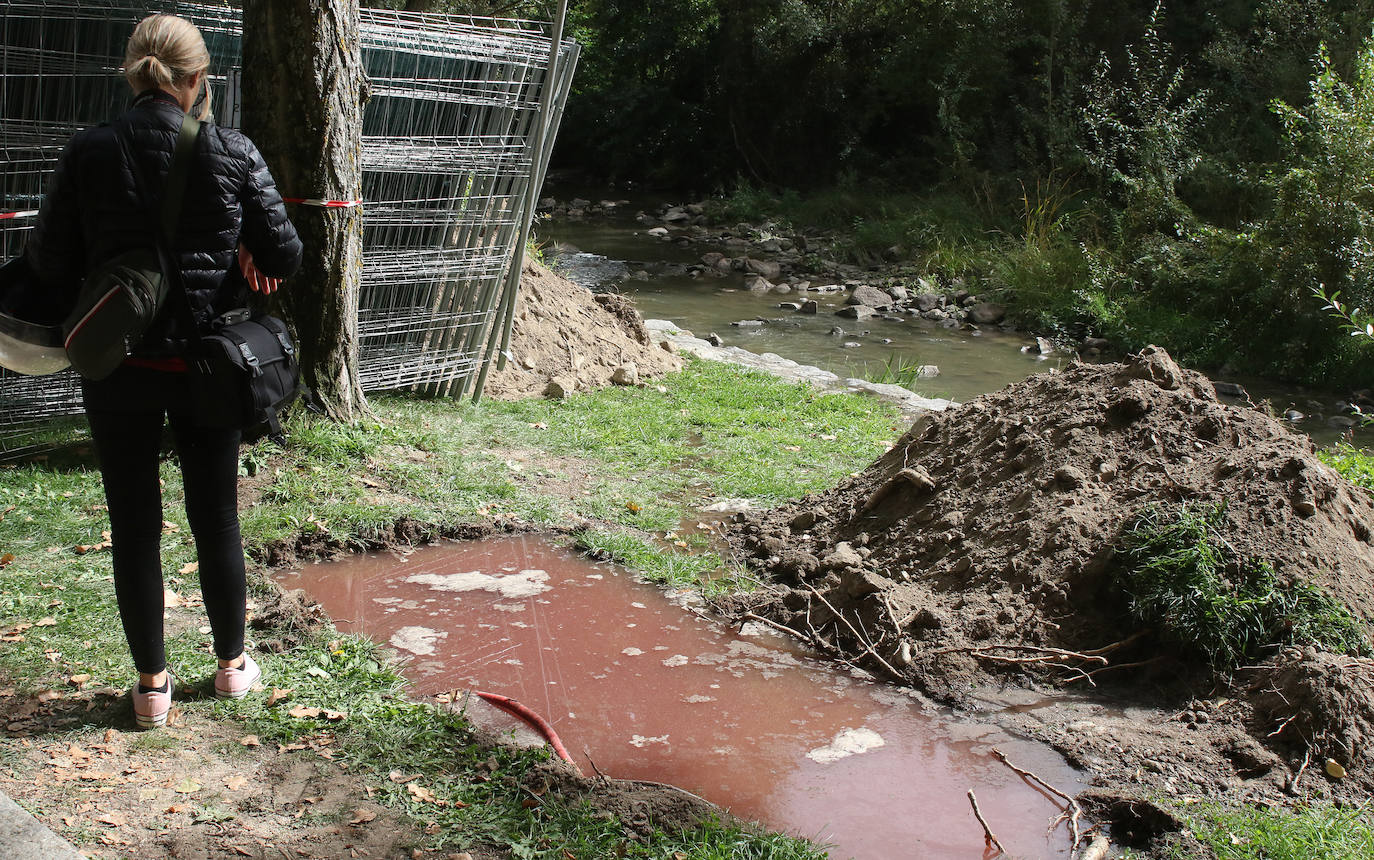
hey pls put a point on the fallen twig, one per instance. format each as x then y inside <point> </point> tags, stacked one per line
<point>989,838</point>
<point>1129,640</point>
<point>781,628</point>
<point>1097,849</point>
<point>1283,725</point>
<point>1075,811</point>
<point>1045,654</point>
<point>1136,664</point>
<point>1306,760</point>
<point>893,673</point>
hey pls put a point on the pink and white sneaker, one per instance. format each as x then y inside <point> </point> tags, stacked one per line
<point>234,683</point>
<point>151,708</point>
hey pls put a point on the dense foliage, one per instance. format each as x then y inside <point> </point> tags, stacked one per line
<point>1180,172</point>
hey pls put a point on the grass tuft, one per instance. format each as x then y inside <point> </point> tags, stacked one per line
<point>1182,577</point>
<point>1317,832</point>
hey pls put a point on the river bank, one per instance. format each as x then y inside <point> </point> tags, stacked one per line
<point>689,264</point>
<point>336,754</point>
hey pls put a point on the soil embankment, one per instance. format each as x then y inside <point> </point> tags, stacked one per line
<point>574,339</point>
<point>982,546</point>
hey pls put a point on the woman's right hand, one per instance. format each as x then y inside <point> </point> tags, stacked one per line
<point>257,281</point>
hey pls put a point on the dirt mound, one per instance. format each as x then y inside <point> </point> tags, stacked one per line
<point>1322,700</point>
<point>563,332</point>
<point>983,541</point>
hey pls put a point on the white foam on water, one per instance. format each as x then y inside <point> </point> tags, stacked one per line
<point>417,640</point>
<point>526,583</point>
<point>846,743</point>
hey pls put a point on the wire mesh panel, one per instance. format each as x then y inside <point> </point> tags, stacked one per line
<point>448,157</point>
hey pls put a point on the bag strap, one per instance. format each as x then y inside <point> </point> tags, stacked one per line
<point>173,194</point>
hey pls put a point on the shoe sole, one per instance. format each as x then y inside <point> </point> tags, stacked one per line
<point>150,722</point>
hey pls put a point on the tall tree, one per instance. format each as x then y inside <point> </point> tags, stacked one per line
<point>304,89</point>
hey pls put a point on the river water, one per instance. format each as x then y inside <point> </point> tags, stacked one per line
<point>605,253</point>
<point>646,688</point>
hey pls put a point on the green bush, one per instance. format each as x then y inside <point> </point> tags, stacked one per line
<point>1184,579</point>
<point>1355,464</point>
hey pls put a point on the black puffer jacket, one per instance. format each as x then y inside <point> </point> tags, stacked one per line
<point>92,213</point>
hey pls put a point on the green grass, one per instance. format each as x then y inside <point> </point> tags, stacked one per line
<point>1355,464</point>
<point>1182,578</point>
<point>636,464</point>
<point>1319,832</point>
<point>645,459</point>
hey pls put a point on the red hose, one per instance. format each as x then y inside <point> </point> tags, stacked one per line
<point>535,721</point>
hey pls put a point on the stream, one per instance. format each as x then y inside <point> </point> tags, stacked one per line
<point>647,687</point>
<point>616,253</point>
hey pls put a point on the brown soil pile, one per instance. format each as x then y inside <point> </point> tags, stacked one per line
<point>564,332</point>
<point>983,540</point>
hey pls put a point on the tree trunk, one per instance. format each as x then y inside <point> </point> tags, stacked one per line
<point>304,88</point>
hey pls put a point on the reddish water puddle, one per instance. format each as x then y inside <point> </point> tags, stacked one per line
<point>650,690</point>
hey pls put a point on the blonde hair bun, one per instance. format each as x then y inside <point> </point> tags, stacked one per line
<point>163,51</point>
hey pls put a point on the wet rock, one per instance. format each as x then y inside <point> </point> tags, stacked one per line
<point>898,294</point>
<point>935,315</point>
<point>658,232</point>
<point>758,284</point>
<point>676,215</point>
<point>747,323</point>
<point>1044,346</point>
<point>928,371</point>
<point>1101,344</point>
<point>987,313</point>
<point>712,258</point>
<point>836,331</point>
<point>871,297</point>
<point>851,344</point>
<point>810,306</point>
<point>1293,415</point>
<point>1341,422</point>
<point>856,312</point>
<point>770,246</point>
<point>626,374</point>
<point>789,306</point>
<point>763,268</point>
<point>1231,389</point>
<point>714,339</point>
<point>926,302</point>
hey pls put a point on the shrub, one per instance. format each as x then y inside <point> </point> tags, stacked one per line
<point>1183,578</point>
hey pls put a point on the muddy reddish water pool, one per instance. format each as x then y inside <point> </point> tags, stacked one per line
<point>650,690</point>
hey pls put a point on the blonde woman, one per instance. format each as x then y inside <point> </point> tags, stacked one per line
<point>234,236</point>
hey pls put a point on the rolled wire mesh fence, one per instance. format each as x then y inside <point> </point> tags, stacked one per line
<point>454,133</point>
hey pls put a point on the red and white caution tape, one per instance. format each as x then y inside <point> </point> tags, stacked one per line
<point>324,204</point>
<point>27,213</point>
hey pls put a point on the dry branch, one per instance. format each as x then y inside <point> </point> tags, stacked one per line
<point>989,838</point>
<point>868,646</point>
<point>1075,812</point>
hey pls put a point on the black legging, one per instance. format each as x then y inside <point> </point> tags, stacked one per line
<point>126,416</point>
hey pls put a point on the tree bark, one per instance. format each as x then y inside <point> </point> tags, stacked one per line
<point>304,89</point>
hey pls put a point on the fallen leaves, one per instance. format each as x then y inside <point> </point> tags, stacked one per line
<point>189,567</point>
<point>362,816</point>
<point>235,782</point>
<point>82,549</point>
<point>46,621</point>
<point>79,681</point>
<point>6,560</point>
<point>250,741</point>
<point>187,786</point>
<point>113,819</point>
<point>279,694</point>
